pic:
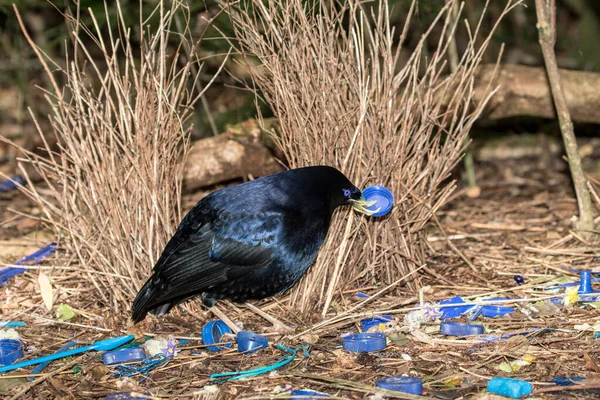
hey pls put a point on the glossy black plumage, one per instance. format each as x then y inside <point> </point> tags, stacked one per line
<point>249,241</point>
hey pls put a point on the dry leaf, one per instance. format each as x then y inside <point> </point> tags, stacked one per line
<point>46,289</point>
<point>590,364</point>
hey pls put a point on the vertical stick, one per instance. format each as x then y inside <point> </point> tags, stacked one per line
<point>546,15</point>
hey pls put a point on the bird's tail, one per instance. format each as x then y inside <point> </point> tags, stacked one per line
<point>148,301</point>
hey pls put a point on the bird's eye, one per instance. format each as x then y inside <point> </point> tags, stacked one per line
<point>346,192</point>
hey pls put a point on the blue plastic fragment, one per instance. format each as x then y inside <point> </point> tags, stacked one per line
<point>304,394</point>
<point>282,361</point>
<point>102,345</point>
<point>12,324</point>
<point>362,295</point>
<point>10,351</point>
<point>123,356</point>
<point>493,311</point>
<point>6,185</point>
<point>567,380</point>
<point>40,367</point>
<point>456,329</point>
<point>9,272</point>
<point>364,342</point>
<point>454,312</point>
<point>212,333</point>
<point>597,335</point>
<point>250,342</point>
<point>127,396</point>
<point>508,387</point>
<point>405,384</point>
<point>368,323</point>
<point>519,280</point>
<point>383,197</point>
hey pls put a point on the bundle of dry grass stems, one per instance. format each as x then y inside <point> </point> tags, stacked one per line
<point>334,77</point>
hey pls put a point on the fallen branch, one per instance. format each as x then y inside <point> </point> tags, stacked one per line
<point>526,91</point>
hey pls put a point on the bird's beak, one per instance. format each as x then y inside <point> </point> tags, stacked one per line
<point>362,204</point>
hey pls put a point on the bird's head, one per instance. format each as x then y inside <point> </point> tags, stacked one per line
<point>343,192</point>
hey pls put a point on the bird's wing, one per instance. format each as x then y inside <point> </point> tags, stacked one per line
<point>210,252</point>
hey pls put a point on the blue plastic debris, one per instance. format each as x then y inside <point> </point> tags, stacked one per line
<point>519,280</point>
<point>585,283</point>
<point>405,384</point>
<point>597,335</point>
<point>102,345</point>
<point>68,346</point>
<point>567,380</point>
<point>12,324</point>
<point>8,184</point>
<point>213,332</point>
<point>454,312</point>
<point>303,394</point>
<point>9,272</point>
<point>493,311</point>
<point>123,356</point>
<point>382,196</point>
<point>508,387</point>
<point>362,295</point>
<point>368,323</point>
<point>250,342</point>
<point>456,329</point>
<point>142,368</point>
<point>10,351</point>
<point>282,361</point>
<point>364,342</point>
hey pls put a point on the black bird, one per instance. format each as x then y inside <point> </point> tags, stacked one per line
<point>249,241</point>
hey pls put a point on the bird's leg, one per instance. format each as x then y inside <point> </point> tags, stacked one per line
<point>278,326</point>
<point>221,315</point>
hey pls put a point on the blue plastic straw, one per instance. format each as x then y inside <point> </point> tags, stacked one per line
<point>9,272</point>
<point>102,345</point>
<point>284,360</point>
<point>11,324</point>
<point>70,344</point>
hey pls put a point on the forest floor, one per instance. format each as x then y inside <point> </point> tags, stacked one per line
<point>518,226</point>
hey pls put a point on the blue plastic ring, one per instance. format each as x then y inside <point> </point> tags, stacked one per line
<point>456,329</point>
<point>213,332</point>
<point>364,342</point>
<point>405,384</point>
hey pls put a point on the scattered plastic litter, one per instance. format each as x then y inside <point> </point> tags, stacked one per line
<point>405,384</point>
<point>69,345</point>
<point>165,346</point>
<point>456,329</point>
<point>369,323</point>
<point>12,324</point>
<point>213,332</point>
<point>491,311</point>
<point>8,184</point>
<point>304,394</point>
<point>9,272</point>
<point>123,356</point>
<point>567,380</point>
<point>585,287</point>
<point>364,342</point>
<point>102,345</point>
<point>417,317</point>
<point>143,367</point>
<point>282,361</point>
<point>361,295</point>
<point>597,335</point>
<point>382,196</point>
<point>10,351</point>
<point>508,387</point>
<point>457,311</point>
<point>250,342</point>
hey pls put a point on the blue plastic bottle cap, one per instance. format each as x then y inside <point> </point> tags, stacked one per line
<point>508,387</point>
<point>585,282</point>
<point>213,332</point>
<point>303,394</point>
<point>125,396</point>
<point>456,329</point>
<point>249,342</point>
<point>10,351</point>
<point>405,384</point>
<point>454,312</point>
<point>368,323</point>
<point>123,356</point>
<point>383,197</point>
<point>364,342</point>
